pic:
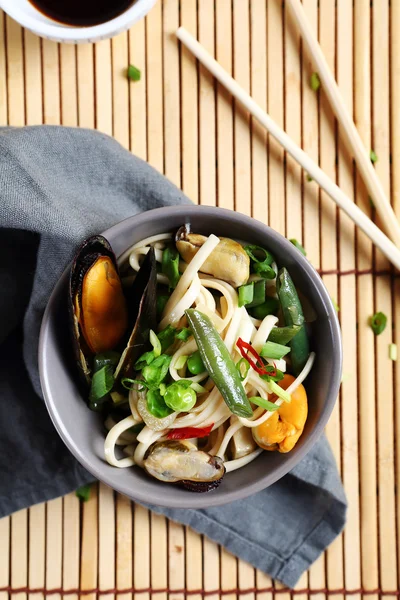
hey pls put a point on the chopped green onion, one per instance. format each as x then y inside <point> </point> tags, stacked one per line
<point>264,271</point>
<point>252,250</point>
<point>274,351</point>
<point>183,334</point>
<point>83,492</point>
<point>371,202</point>
<point>259,294</point>
<point>102,384</point>
<point>309,178</point>
<point>272,374</point>
<point>243,367</point>
<point>392,351</point>
<point>269,307</point>
<point>180,362</point>
<point>161,303</point>
<point>155,342</point>
<point>315,82</point>
<point>146,359</point>
<point>298,246</point>
<point>170,266</point>
<point>129,383</point>
<point>167,337</point>
<point>378,322</point>
<point>246,294</point>
<point>199,389</point>
<point>270,406</point>
<point>134,73</point>
<point>155,372</point>
<point>373,156</point>
<point>156,404</point>
<point>280,392</point>
<point>335,304</point>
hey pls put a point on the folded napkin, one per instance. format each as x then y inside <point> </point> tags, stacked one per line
<point>57,187</point>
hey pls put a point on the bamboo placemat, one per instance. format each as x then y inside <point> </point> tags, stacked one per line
<point>178,120</point>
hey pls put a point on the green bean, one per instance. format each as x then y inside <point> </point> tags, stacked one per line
<point>218,363</point>
<point>293,315</point>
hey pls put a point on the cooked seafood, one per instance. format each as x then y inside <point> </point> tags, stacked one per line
<point>228,261</point>
<point>198,364</point>
<point>181,462</point>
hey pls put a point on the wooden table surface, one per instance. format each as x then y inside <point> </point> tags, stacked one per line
<point>183,124</point>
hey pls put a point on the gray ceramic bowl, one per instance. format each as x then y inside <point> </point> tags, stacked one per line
<point>82,430</point>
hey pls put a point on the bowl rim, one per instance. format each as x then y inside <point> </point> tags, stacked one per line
<point>70,33</point>
<point>199,500</point>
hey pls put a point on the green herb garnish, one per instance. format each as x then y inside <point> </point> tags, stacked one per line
<point>102,384</point>
<point>270,406</point>
<point>378,322</point>
<point>298,246</point>
<point>170,266</point>
<point>373,156</point>
<point>315,82</point>
<point>83,492</point>
<point>134,73</point>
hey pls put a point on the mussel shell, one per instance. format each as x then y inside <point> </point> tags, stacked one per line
<point>159,463</point>
<point>142,305</point>
<point>87,254</point>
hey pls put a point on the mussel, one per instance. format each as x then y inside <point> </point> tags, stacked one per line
<point>179,461</point>
<point>228,261</point>
<point>103,317</point>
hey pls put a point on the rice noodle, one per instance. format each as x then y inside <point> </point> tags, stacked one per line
<point>110,441</point>
<point>176,313</point>
<point>191,271</point>
<point>238,463</point>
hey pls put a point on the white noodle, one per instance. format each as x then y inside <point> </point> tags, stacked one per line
<point>238,463</point>
<point>110,441</point>
<point>147,438</point>
<point>173,316</point>
<point>146,242</point>
<point>191,271</point>
<point>263,332</point>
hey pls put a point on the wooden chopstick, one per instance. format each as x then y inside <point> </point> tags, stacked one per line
<point>349,130</point>
<point>350,208</point>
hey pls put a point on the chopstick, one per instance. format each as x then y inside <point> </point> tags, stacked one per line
<point>350,133</point>
<point>350,208</point>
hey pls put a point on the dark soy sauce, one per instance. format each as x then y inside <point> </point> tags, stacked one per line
<point>82,13</point>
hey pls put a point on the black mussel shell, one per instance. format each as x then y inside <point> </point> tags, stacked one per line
<point>142,306</point>
<point>86,255</point>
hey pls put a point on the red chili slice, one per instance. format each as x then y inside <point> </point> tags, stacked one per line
<point>187,433</point>
<point>243,346</point>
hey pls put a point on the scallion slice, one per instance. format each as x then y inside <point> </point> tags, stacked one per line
<point>280,392</point>
<point>270,406</point>
<point>155,342</point>
<point>274,351</point>
<point>378,322</point>
<point>246,294</point>
<point>259,294</point>
<point>393,352</point>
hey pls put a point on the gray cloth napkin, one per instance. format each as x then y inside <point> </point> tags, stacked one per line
<point>58,186</point>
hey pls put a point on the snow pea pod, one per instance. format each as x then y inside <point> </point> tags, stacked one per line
<point>293,315</point>
<point>218,363</point>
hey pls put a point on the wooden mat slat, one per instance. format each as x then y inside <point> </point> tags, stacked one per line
<point>187,126</point>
